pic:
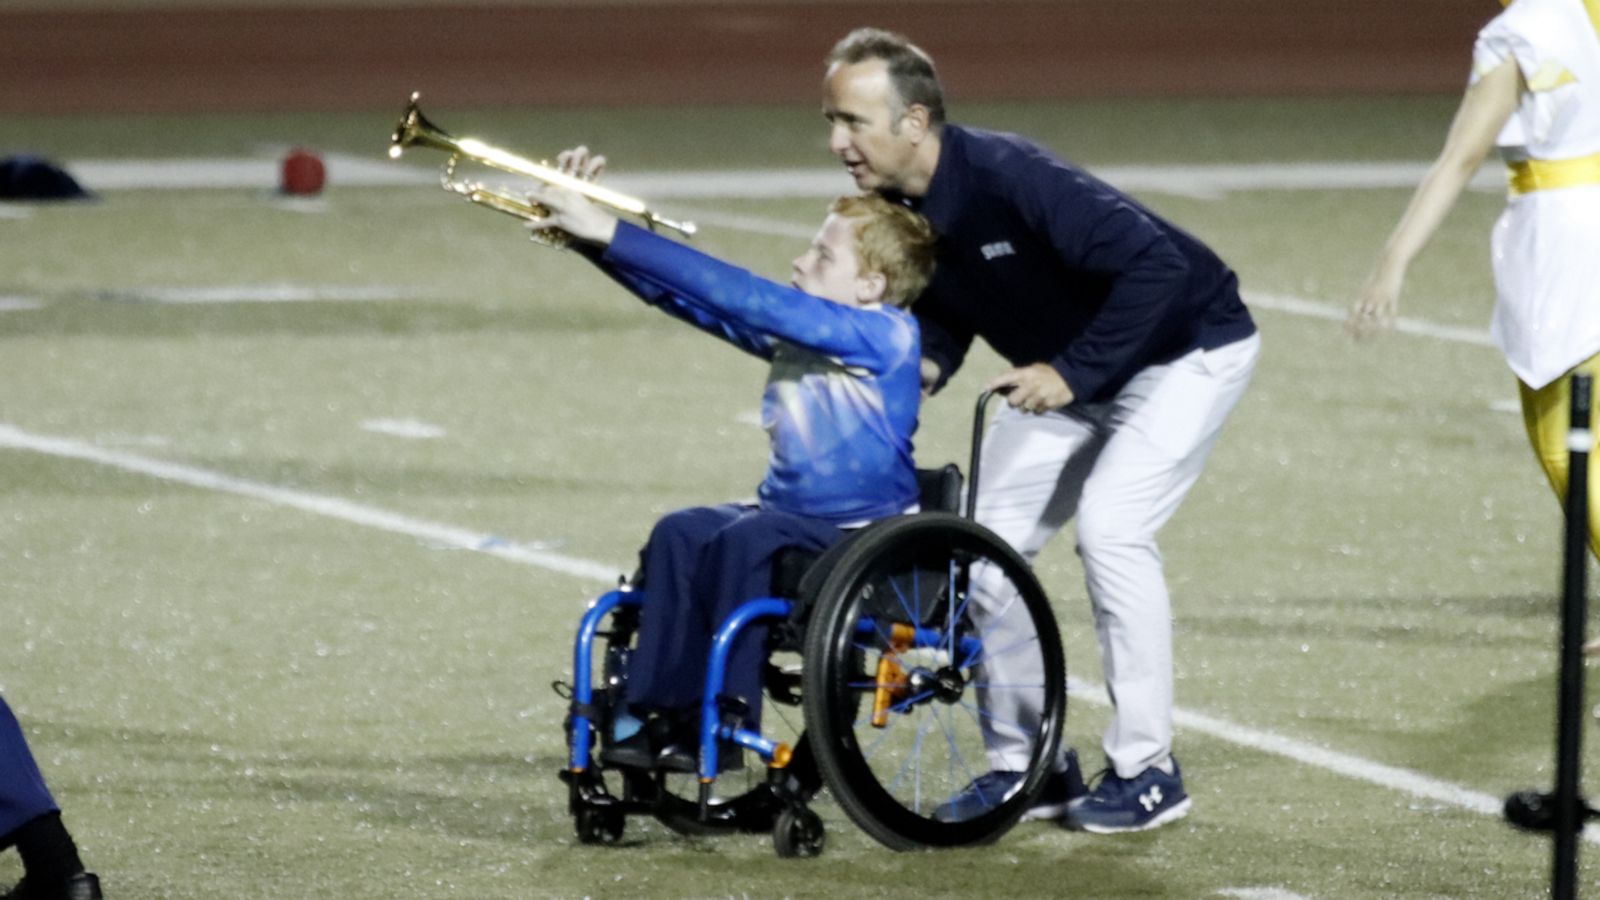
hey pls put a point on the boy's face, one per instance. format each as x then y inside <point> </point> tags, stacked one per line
<point>830,268</point>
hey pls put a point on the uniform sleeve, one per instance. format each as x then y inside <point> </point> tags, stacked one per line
<point>1096,230</point>
<point>871,338</point>
<point>1536,36</point>
<point>661,297</point>
<point>1500,40</point>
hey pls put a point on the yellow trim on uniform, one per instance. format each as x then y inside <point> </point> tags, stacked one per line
<point>1550,76</point>
<point>1592,7</point>
<point>1546,413</point>
<point>1529,175</point>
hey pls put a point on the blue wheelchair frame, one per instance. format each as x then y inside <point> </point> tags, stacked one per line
<point>719,720</point>
<point>712,727</point>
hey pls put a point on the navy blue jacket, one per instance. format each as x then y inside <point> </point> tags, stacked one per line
<point>1049,264</point>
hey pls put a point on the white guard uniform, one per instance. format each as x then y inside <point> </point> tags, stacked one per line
<point>1546,245</point>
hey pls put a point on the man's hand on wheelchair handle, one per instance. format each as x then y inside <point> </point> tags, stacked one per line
<point>1035,388</point>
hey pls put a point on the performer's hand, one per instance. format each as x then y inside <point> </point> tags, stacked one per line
<point>1377,304</point>
<point>1036,388</point>
<point>930,377</point>
<point>580,163</point>
<point>571,212</point>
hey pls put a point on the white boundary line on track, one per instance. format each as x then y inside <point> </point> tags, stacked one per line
<point>1392,777</point>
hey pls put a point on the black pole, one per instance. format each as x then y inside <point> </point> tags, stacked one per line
<point>1569,806</point>
<point>979,419</point>
<point>977,454</point>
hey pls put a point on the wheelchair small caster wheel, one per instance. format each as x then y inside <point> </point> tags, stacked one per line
<point>596,825</point>
<point>798,833</point>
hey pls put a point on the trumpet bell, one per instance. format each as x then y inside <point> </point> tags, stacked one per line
<point>414,130</point>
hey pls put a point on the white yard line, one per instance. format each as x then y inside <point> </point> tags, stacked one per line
<point>264,293</point>
<point>405,428</point>
<point>1203,181</point>
<point>1318,310</point>
<point>449,536</point>
<point>1391,777</point>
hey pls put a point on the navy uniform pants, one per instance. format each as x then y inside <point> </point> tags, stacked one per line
<point>699,566</point>
<point>23,796</point>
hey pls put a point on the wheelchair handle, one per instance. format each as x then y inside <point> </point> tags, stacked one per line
<point>978,420</point>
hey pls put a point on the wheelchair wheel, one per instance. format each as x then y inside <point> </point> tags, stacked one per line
<point>932,660</point>
<point>798,833</point>
<point>599,825</point>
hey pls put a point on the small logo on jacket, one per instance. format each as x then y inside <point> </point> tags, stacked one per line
<point>997,250</point>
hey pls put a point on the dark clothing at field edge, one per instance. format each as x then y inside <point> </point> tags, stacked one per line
<point>1090,280</point>
<point>31,822</point>
<point>23,795</point>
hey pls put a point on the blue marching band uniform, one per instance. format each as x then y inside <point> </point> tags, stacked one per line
<point>840,406</point>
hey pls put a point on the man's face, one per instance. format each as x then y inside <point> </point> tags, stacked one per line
<point>830,268</point>
<point>864,131</point>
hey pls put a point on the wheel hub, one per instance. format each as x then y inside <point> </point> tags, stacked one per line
<point>946,685</point>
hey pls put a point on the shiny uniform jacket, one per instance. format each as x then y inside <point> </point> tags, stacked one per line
<point>1050,264</point>
<point>842,395</point>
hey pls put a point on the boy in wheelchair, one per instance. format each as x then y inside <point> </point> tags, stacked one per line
<point>840,406</point>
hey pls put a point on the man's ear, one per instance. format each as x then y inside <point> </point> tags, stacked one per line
<point>870,288</point>
<point>918,120</point>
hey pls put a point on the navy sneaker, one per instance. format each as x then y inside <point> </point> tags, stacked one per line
<point>1148,800</point>
<point>979,796</point>
<point>993,788</point>
<point>1060,789</point>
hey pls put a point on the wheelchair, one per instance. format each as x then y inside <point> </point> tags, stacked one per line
<point>909,676</point>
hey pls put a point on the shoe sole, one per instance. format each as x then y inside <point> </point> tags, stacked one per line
<point>1044,811</point>
<point>1172,814</point>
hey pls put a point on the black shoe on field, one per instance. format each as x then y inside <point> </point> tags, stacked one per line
<point>637,751</point>
<point>684,756</point>
<point>82,886</point>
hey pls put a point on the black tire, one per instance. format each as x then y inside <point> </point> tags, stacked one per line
<point>599,825</point>
<point>798,833</point>
<point>892,778</point>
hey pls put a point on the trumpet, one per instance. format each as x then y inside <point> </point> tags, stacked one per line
<point>415,130</point>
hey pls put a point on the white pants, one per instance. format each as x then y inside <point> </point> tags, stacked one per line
<point>1122,467</point>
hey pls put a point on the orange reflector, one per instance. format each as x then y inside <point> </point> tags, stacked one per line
<point>891,675</point>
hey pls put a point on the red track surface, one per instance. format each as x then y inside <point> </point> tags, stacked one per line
<point>697,52</point>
